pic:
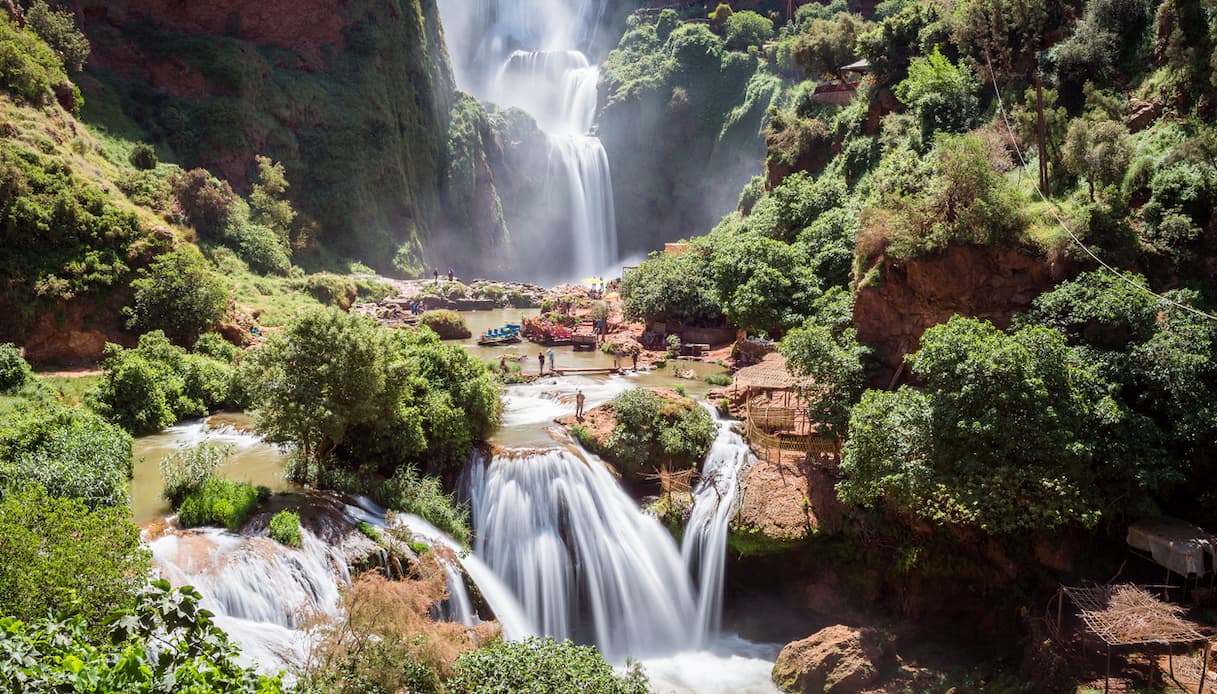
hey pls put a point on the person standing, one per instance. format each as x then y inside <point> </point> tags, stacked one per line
<point>580,398</point>
<point>540,363</point>
<point>436,273</point>
<point>634,357</point>
<point>617,358</point>
<point>551,360</point>
<point>451,274</point>
<point>503,364</point>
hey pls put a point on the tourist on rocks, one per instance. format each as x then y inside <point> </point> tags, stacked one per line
<point>551,360</point>
<point>580,398</point>
<point>436,273</point>
<point>541,363</point>
<point>617,355</point>
<point>634,357</point>
<point>451,274</point>
<point>503,364</point>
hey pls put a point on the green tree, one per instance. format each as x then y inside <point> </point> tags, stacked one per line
<point>834,364</point>
<point>762,284</point>
<point>64,558</point>
<point>267,202</point>
<point>828,45</point>
<point>206,201</point>
<point>29,68</point>
<point>747,28</point>
<point>666,23</point>
<point>670,288</point>
<point>890,45</point>
<point>1097,150</point>
<point>58,29</point>
<point>1005,438</point>
<point>943,94</point>
<point>177,294</point>
<point>540,665</point>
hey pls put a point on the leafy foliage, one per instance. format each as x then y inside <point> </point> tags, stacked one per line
<point>186,469</point>
<point>29,68</point>
<point>762,284</point>
<point>62,557</point>
<point>179,295</point>
<point>346,392</point>
<point>540,665</point>
<point>218,502</point>
<point>835,362</point>
<point>165,642</point>
<point>58,29</point>
<point>655,431</point>
<point>670,288</point>
<point>449,325</point>
<point>154,385</point>
<point>943,94</point>
<point>69,453</point>
<point>1099,151</point>
<point>746,29</point>
<point>14,370</point>
<point>285,529</point>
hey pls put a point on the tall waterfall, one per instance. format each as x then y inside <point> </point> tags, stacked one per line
<point>530,54</point>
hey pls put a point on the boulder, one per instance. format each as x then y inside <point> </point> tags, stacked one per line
<point>836,660</point>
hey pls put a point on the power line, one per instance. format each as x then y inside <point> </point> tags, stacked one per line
<point>1052,207</point>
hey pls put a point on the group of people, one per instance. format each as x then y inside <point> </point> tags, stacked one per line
<point>451,275</point>
<point>541,362</point>
<point>417,308</point>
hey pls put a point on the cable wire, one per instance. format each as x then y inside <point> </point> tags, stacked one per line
<point>1052,207</point>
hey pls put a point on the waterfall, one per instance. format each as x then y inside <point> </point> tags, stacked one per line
<point>584,562</point>
<point>705,541</point>
<point>260,593</point>
<point>530,54</point>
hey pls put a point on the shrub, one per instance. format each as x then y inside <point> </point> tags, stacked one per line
<point>718,380</point>
<point>186,469</point>
<point>143,156</point>
<point>147,188</point>
<point>943,94</point>
<point>657,431</point>
<point>206,201</point>
<point>62,557</point>
<point>60,32</point>
<point>409,492</point>
<point>152,386</point>
<point>218,502</point>
<point>70,453</point>
<point>332,290</point>
<point>285,529</point>
<point>540,665</point>
<point>177,294</point>
<point>15,371</point>
<point>29,69</point>
<point>747,28</point>
<point>214,345</point>
<point>670,288</point>
<point>449,325</point>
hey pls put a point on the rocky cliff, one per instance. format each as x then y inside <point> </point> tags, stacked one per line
<point>355,97</point>
<point>899,299</point>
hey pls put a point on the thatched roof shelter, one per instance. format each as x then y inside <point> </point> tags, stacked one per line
<point>770,374</point>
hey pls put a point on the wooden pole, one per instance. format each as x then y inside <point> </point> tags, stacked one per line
<point>1107,676</point>
<point>1040,134</point>
<point>1060,606</point>
<point>1204,669</point>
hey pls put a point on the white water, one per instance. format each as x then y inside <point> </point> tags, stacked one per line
<point>529,54</point>
<point>705,541</point>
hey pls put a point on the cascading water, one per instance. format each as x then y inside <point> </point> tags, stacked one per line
<point>529,54</point>
<point>580,557</point>
<point>705,540</point>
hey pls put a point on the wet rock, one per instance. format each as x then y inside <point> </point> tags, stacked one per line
<point>836,660</point>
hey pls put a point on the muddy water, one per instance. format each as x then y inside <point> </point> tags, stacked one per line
<point>252,460</point>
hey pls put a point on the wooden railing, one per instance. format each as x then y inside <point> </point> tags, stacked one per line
<point>810,444</point>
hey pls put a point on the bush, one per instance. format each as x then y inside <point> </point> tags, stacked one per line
<point>147,188</point>
<point>409,492</point>
<point>179,295</point>
<point>29,69</point>
<point>285,529</point>
<point>540,665</point>
<point>15,371</point>
<point>943,94</point>
<point>69,453</point>
<point>214,345</point>
<point>186,469</point>
<point>718,380</point>
<point>218,502</point>
<point>60,32</point>
<point>670,288</point>
<point>449,325</point>
<point>154,385</point>
<point>143,156</point>
<point>332,290</point>
<point>206,201</point>
<point>748,28</point>
<point>657,432</point>
<point>62,557</point>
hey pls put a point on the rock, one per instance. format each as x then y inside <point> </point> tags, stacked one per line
<point>1142,114</point>
<point>783,505</point>
<point>835,660</point>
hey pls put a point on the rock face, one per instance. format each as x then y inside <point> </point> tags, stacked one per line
<point>354,97</point>
<point>835,660</point>
<point>984,282</point>
<point>785,502</point>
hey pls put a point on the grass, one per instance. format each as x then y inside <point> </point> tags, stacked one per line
<point>218,502</point>
<point>718,380</point>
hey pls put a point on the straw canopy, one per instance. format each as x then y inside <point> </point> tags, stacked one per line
<point>770,374</point>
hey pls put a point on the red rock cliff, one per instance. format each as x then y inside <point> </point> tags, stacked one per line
<point>978,281</point>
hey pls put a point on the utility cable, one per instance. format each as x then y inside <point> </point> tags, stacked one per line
<point>1052,207</point>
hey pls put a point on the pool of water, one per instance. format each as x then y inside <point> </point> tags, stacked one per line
<point>252,460</point>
